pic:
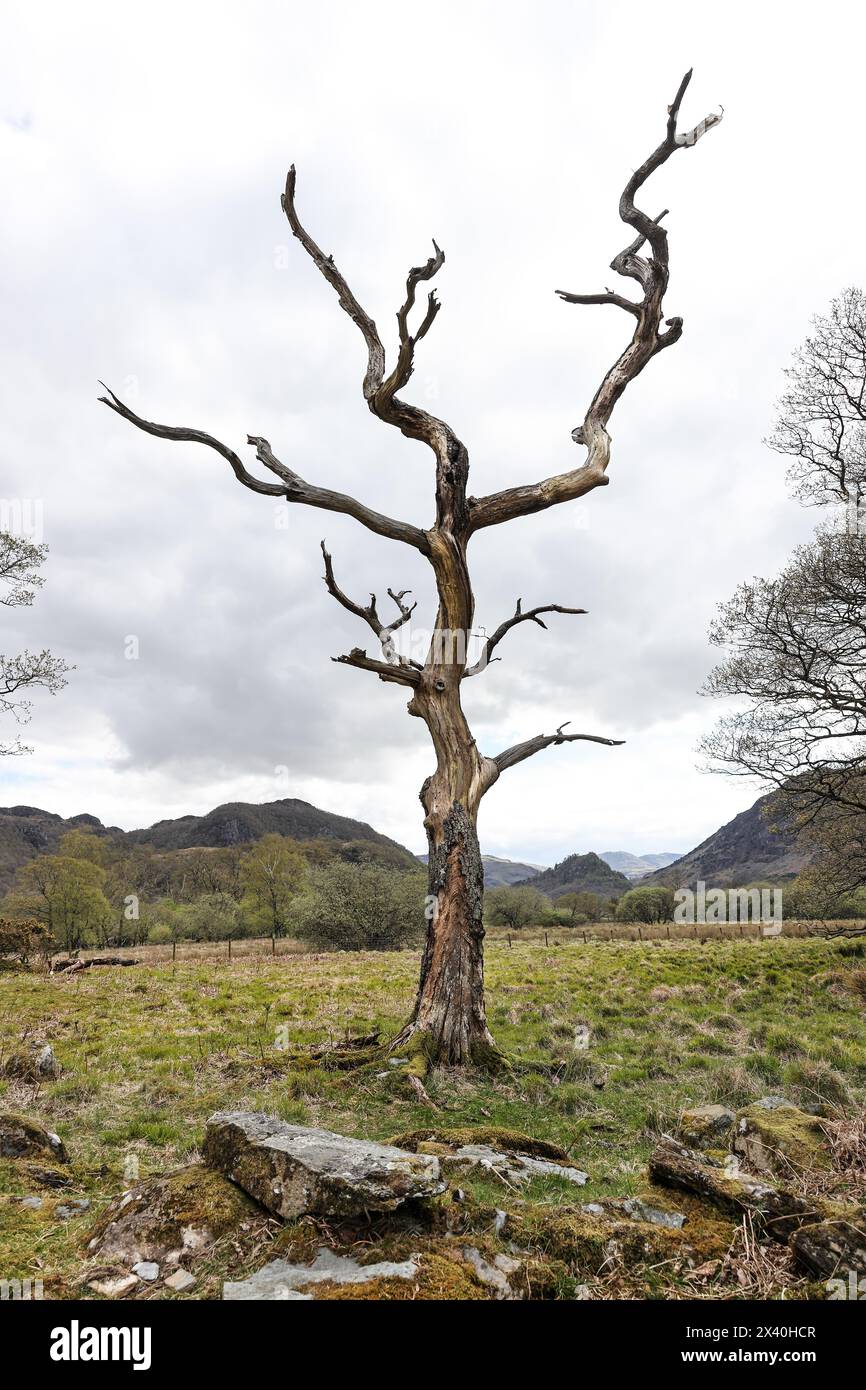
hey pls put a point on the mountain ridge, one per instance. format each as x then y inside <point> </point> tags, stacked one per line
<point>28,831</point>
<point>745,850</point>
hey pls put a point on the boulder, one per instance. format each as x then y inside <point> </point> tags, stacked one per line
<point>35,1063</point>
<point>295,1171</point>
<point>777,1138</point>
<point>24,1138</point>
<point>282,1280</point>
<point>165,1218</point>
<point>706,1126</point>
<point>832,1249</point>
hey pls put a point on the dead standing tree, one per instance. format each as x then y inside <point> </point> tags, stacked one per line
<point>448,1023</point>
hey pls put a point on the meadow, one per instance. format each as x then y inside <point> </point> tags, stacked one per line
<point>149,1052</point>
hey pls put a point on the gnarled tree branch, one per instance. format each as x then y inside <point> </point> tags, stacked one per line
<point>520,751</point>
<point>399,674</point>
<point>291,485</point>
<point>369,614</point>
<point>649,338</point>
<point>531,615</point>
<point>380,392</point>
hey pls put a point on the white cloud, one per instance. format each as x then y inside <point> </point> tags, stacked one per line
<point>143,154</point>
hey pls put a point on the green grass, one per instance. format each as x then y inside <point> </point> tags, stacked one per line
<point>148,1053</point>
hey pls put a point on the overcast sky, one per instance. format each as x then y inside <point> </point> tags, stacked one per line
<point>143,151</point>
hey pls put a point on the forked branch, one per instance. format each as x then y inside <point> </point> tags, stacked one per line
<point>380,392</point>
<point>531,615</point>
<point>291,486</point>
<point>369,614</point>
<point>648,338</point>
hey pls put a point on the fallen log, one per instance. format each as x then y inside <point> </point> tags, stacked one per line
<point>71,966</point>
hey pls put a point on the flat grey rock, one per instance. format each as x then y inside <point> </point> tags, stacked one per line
<point>147,1270</point>
<point>642,1211</point>
<point>293,1170</point>
<point>74,1207</point>
<point>515,1168</point>
<point>774,1103</point>
<point>281,1280</point>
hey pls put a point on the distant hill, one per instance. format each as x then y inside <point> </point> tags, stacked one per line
<point>746,850</point>
<point>501,871</point>
<point>508,871</point>
<point>637,865</point>
<point>581,873</point>
<point>240,822</point>
<point>27,831</point>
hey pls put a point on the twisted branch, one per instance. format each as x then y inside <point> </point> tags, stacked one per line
<point>291,486</point>
<point>368,613</point>
<point>380,392</point>
<point>531,615</point>
<point>648,338</point>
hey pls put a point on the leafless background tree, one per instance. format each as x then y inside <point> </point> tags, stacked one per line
<point>796,645</point>
<point>448,1023</point>
<point>20,563</point>
<point>821,424</point>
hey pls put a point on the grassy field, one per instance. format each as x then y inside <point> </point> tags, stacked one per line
<point>149,1052</point>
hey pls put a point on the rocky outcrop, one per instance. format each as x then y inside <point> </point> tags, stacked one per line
<point>508,1168</point>
<point>779,1212</point>
<point>511,1157</point>
<point>294,1171</point>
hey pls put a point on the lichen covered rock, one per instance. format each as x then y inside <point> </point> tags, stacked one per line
<point>510,1168</point>
<point>778,1211</point>
<point>503,1153</point>
<point>780,1139</point>
<point>281,1280</point>
<point>21,1137</point>
<point>509,1141</point>
<point>293,1170</point>
<point>589,1242</point>
<point>36,1062</point>
<point>165,1218</point>
<point>706,1126</point>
